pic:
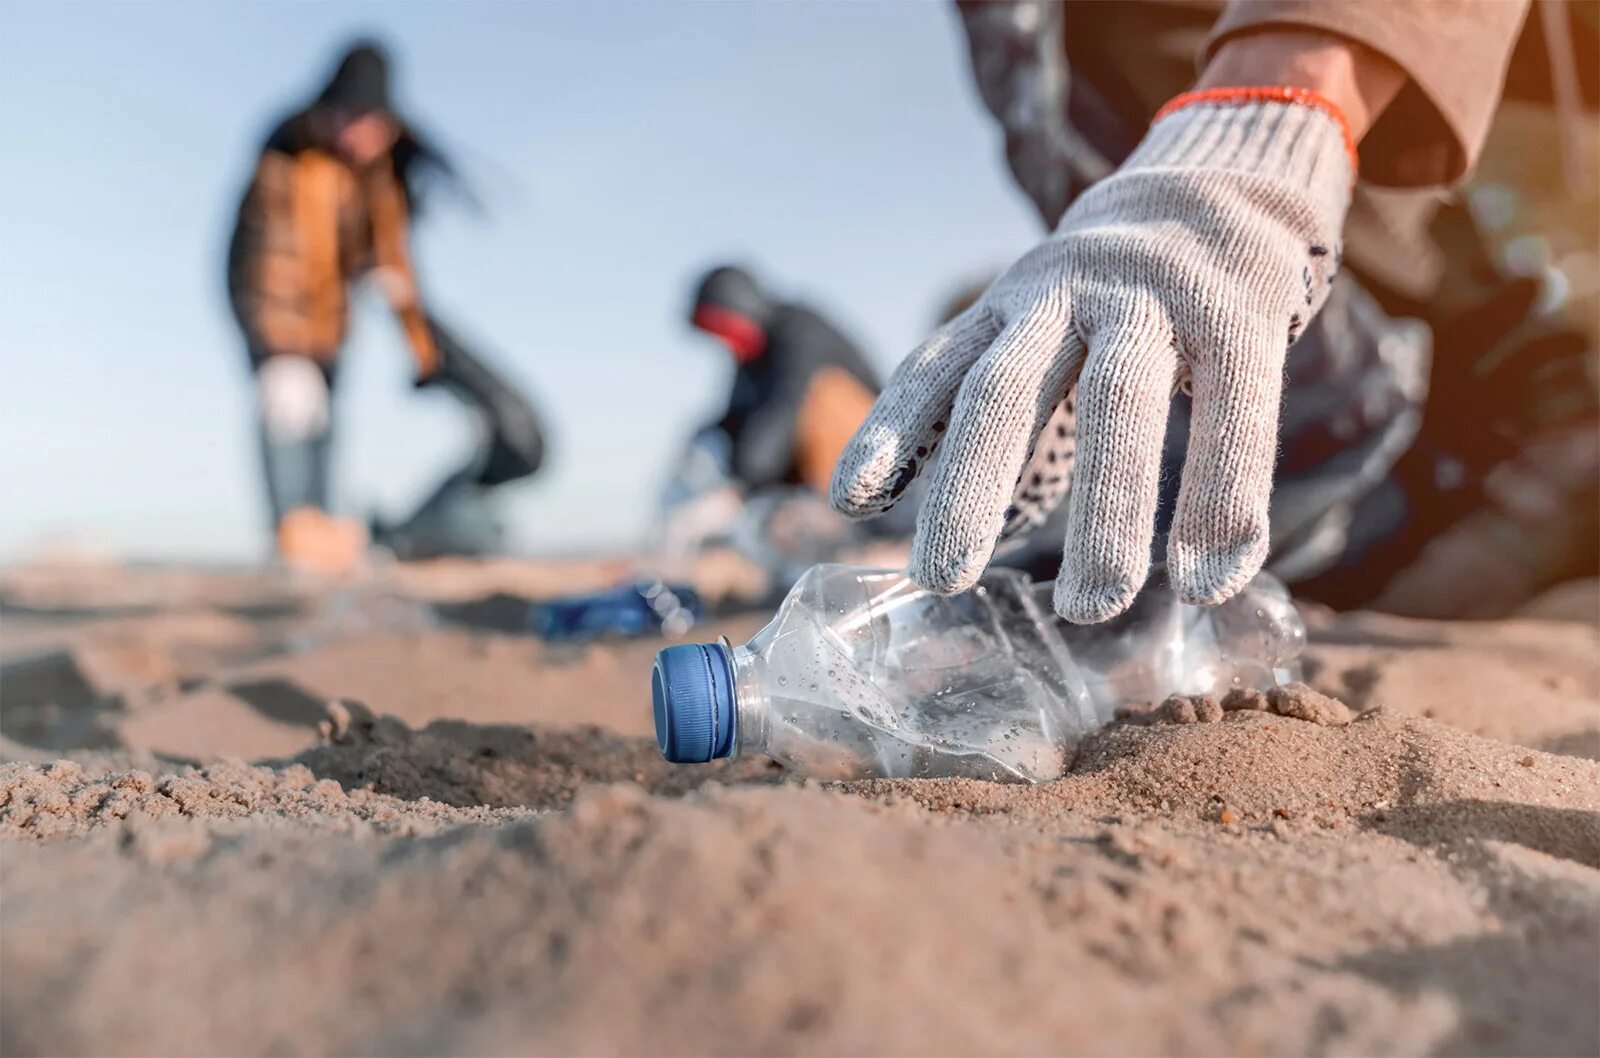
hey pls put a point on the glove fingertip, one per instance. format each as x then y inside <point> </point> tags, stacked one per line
<point>948,577</point>
<point>858,506</point>
<point>1088,597</point>
<point>859,490</point>
<point>1206,577</point>
<point>942,561</point>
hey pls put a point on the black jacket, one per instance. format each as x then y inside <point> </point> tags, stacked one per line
<point>764,409</point>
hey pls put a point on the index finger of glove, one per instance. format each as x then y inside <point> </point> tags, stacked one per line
<point>906,423</point>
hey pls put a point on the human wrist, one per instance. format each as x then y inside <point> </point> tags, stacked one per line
<point>1356,80</point>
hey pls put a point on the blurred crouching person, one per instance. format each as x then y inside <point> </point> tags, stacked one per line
<point>330,203</point>
<point>800,387</point>
<point>760,472</point>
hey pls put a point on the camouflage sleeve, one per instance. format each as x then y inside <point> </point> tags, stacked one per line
<point>1020,66</point>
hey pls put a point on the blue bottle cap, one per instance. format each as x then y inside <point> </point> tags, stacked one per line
<point>692,688</point>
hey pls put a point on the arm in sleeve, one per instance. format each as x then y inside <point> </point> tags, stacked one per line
<point>265,278</point>
<point>1020,68</point>
<point>1454,54</point>
<point>390,237</point>
<point>764,445</point>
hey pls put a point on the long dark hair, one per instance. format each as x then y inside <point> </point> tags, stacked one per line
<point>360,84</point>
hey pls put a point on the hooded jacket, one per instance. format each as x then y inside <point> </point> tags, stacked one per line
<point>309,225</point>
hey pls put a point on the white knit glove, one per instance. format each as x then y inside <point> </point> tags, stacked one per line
<point>1196,264</point>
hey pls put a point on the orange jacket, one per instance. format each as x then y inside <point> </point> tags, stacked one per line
<point>308,227</point>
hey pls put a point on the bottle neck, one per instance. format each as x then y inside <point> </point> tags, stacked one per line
<point>750,705</point>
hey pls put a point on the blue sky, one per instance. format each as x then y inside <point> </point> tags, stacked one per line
<point>621,148</point>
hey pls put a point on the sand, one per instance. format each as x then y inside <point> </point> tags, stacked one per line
<point>244,816</point>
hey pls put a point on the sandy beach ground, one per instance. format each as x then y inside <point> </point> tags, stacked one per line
<point>240,816</point>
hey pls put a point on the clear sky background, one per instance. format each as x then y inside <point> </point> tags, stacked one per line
<point>620,148</point>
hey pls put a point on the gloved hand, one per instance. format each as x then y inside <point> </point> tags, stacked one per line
<point>1196,264</point>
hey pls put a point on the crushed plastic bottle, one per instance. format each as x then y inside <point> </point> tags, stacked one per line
<point>862,674</point>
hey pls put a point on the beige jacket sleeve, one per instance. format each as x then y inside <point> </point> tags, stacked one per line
<point>1455,53</point>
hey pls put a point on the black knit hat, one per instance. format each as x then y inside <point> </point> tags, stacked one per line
<point>734,289</point>
<point>361,83</point>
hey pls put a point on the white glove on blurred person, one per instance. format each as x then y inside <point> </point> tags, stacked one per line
<point>1196,264</point>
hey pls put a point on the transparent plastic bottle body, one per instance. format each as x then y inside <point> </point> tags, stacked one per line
<point>861,674</point>
<point>1161,646</point>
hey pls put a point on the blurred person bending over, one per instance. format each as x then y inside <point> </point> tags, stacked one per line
<point>1162,351</point>
<point>757,478</point>
<point>800,387</point>
<point>331,202</point>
